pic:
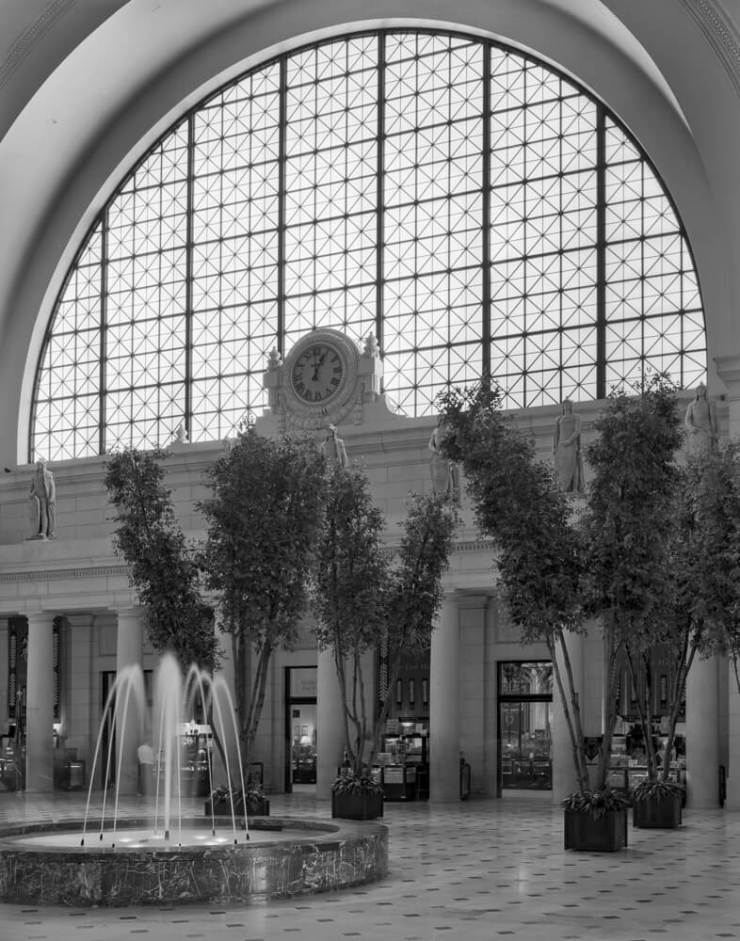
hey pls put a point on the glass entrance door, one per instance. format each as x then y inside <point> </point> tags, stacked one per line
<point>524,725</point>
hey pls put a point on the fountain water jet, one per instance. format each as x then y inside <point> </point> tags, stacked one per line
<point>279,857</point>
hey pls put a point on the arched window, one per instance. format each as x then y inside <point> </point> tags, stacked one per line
<point>473,208</point>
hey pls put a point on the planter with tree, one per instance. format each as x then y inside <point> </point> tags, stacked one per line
<point>364,598</point>
<point>546,544</point>
<point>262,524</point>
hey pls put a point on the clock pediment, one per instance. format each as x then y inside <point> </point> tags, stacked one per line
<point>323,378</point>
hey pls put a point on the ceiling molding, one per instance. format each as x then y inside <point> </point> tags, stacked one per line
<point>23,45</point>
<point>720,32</point>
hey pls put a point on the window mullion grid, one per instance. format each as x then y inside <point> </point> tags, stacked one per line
<point>380,197</point>
<point>525,247</point>
<point>642,271</point>
<point>282,161</point>
<point>600,253</point>
<point>561,259</point>
<point>189,248</point>
<point>102,378</point>
<point>486,217</point>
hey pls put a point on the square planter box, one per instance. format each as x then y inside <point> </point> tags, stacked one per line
<point>222,808</point>
<point>357,806</point>
<point>662,813</point>
<point>607,834</point>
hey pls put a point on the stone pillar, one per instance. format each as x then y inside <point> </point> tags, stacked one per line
<point>40,703</point>
<point>702,737</point>
<point>129,645</point>
<point>329,724</point>
<point>444,704</point>
<point>733,735</point>
<point>564,778</point>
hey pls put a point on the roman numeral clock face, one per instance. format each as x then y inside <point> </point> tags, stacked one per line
<point>317,373</point>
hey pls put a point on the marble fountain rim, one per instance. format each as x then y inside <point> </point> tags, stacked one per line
<point>316,856</point>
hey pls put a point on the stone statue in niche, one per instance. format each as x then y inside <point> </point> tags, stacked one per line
<point>445,473</point>
<point>44,496</point>
<point>333,449</point>
<point>566,449</point>
<point>701,423</point>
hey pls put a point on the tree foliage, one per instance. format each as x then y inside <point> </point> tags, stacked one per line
<point>365,599</point>
<point>163,568</point>
<point>560,563</point>
<point>627,523</point>
<point>539,553</point>
<point>262,529</point>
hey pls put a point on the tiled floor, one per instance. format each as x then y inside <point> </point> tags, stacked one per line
<point>474,870</point>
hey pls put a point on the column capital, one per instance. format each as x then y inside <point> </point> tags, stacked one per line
<point>40,617</point>
<point>129,611</point>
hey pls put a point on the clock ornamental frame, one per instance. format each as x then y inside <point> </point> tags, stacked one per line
<point>319,382</point>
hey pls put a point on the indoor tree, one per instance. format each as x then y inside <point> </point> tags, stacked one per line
<point>263,522</point>
<point>560,563</point>
<point>627,527</point>
<point>163,567</point>
<point>366,596</point>
<point>540,557</point>
<point>698,611</point>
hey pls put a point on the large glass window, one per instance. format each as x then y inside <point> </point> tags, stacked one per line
<point>473,208</point>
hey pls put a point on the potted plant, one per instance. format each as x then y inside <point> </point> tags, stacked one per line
<point>696,615</point>
<point>356,797</point>
<point>362,597</point>
<point>595,821</point>
<point>230,801</point>
<point>657,804</point>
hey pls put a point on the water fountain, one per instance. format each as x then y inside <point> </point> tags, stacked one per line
<point>168,856</point>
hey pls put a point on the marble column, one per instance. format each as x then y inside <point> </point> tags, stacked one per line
<point>329,724</point>
<point>444,704</point>
<point>129,646</point>
<point>733,744</point>
<point>702,736</point>
<point>564,778</point>
<point>40,703</point>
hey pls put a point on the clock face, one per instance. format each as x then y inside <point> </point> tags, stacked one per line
<point>317,373</point>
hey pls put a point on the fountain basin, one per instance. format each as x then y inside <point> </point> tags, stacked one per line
<point>283,857</point>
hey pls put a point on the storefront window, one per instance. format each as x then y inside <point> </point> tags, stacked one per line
<point>525,720</point>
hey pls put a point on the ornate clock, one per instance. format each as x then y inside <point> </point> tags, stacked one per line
<point>318,382</point>
<point>318,372</point>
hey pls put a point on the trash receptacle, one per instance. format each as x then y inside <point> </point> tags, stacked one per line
<point>464,780</point>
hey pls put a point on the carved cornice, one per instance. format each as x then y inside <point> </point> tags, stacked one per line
<point>721,34</point>
<point>122,571</point>
<point>49,575</point>
<point>23,45</point>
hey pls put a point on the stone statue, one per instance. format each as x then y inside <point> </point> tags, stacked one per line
<point>43,493</point>
<point>181,435</point>
<point>371,345</point>
<point>701,423</point>
<point>333,449</point>
<point>566,449</point>
<point>445,473</point>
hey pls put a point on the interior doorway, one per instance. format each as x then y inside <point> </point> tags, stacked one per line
<point>300,730</point>
<point>524,726</point>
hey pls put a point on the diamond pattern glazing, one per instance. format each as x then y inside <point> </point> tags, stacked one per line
<point>473,208</point>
